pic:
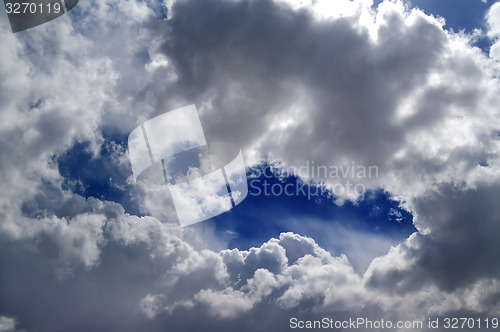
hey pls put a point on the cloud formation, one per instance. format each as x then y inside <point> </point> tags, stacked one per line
<point>288,81</point>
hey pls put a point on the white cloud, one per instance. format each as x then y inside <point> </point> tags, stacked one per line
<point>319,283</point>
<point>150,305</point>
<point>7,324</point>
<point>225,304</point>
<point>493,20</point>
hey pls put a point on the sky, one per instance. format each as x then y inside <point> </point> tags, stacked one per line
<point>407,88</point>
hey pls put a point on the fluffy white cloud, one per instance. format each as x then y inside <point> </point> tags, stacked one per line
<point>7,324</point>
<point>322,284</point>
<point>493,20</point>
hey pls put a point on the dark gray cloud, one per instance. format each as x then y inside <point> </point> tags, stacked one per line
<point>286,84</point>
<point>460,248</point>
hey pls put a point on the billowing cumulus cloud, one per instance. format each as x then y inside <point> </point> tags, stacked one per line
<point>493,20</point>
<point>393,91</point>
<point>290,81</point>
